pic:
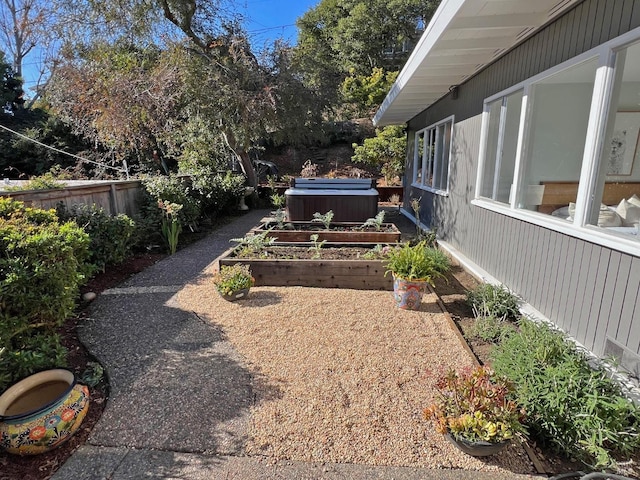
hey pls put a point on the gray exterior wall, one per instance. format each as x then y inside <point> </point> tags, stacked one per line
<point>590,291</point>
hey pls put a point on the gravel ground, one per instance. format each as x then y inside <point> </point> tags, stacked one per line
<point>343,375</point>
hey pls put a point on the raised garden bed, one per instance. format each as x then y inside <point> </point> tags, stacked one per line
<point>338,267</point>
<point>341,232</point>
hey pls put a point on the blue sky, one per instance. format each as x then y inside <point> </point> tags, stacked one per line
<point>270,19</point>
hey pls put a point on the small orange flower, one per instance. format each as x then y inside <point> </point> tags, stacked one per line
<point>37,433</point>
<point>67,415</point>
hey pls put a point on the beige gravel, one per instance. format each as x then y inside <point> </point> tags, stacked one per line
<point>343,375</point>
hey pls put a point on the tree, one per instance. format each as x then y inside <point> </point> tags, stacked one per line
<point>386,150</point>
<point>342,38</point>
<point>366,92</point>
<point>121,97</point>
<point>135,102</point>
<point>10,88</point>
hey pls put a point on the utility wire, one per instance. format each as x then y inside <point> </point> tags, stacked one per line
<point>122,170</point>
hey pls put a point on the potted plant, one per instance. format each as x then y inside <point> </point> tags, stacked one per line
<point>413,268</point>
<point>233,281</point>
<point>475,411</point>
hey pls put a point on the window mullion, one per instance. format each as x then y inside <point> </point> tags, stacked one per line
<point>600,101</point>
<point>499,148</point>
<point>516,193</point>
<point>436,158</point>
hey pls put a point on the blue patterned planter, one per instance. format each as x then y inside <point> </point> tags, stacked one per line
<point>41,412</point>
<point>408,293</point>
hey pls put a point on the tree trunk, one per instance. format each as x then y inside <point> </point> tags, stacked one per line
<point>243,156</point>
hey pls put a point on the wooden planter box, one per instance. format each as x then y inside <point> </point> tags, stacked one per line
<point>354,274</point>
<point>339,233</point>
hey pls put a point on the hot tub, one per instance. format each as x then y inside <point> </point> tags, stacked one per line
<point>351,200</point>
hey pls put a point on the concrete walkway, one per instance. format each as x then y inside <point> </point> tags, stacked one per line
<point>180,395</point>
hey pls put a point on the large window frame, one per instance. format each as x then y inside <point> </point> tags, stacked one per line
<point>579,227</point>
<point>432,157</point>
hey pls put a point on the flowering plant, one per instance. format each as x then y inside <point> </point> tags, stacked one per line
<point>171,226</point>
<point>232,278</point>
<point>475,405</point>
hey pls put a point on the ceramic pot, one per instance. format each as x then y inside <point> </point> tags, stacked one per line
<point>42,411</point>
<point>477,448</point>
<point>237,295</point>
<point>408,293</point>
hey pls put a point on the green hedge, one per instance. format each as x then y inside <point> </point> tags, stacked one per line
<point>112,236</point>
<point>42,264</point>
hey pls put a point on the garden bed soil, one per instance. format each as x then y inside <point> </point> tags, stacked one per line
<point>344,232</point>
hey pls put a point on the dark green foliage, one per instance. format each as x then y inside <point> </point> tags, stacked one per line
<point>570,406</point>
<point>10,88</point>
<point>42,264</point>
<point>497,301</point>
<point>216,191</point>
<point>174,189</point>
<point>22,157</point>
<point>112,236</point>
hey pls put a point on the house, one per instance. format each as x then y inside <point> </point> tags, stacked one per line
<point>523,119</point>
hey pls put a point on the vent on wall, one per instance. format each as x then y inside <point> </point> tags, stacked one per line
<point>627,359</point>
<point>524,33</point>
<point>558,7</point>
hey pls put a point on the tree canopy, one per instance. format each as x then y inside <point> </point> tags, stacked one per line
<point>342,38</point>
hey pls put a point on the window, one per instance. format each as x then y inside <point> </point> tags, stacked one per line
<point>432,156</point>
<point>565,144</point>
<point>504,123</point>
<point>617,184</point>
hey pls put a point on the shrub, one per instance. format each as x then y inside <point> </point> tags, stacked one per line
<point>216,191</point>
<point>497,301</point>
<point>42,264</point>
<point>175,190</point>
<point>417,262</point>
<point>491,329</point>
<point>112,236</point>
<point>578,410</point>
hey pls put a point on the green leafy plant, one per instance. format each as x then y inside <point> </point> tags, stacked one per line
<point>233,278</point>
<point>572,407</point>
<point>490,329</point>
<point>280,216</point>
<point>386,150</point>
<point>93,374</point>
<point>325,218</point>
<point>375,222</point>
<point>497,301</point>
<point>173,189</point>
<point>43,263</point>
<point>418,262</point>
<point>378,252</point>
<point>112,236</point>
<point>171,227</point>
<point>254,243</point>
<point>277,200</point>
<point>476,405</point>
<point>316,245</point>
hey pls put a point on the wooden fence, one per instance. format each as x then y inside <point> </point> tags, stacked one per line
<point>118,196</point>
